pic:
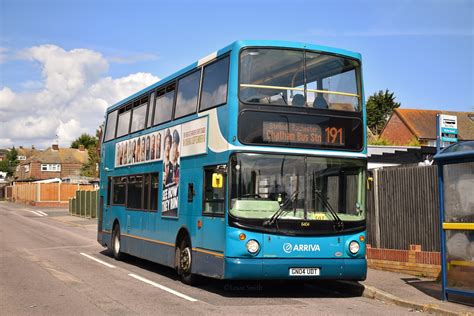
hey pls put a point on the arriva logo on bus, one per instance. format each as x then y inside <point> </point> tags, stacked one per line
<point>288,248</point>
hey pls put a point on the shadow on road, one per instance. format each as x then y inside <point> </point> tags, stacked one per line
<point>257,288</point>
<point>434,289</point>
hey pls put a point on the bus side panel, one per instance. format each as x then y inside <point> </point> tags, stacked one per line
<point>149,250</point>
<point>208,265</point>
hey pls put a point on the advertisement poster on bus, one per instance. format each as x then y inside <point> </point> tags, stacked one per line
<point>137,150</point>
<point>171,167</point>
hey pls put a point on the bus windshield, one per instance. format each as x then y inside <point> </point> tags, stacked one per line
<point>299,78</point>
<point>261,183</point>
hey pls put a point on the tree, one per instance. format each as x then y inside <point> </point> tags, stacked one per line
<point>91,143</point>
<point>379,108</point>
<point>88,141</point>
<point>11,161</point>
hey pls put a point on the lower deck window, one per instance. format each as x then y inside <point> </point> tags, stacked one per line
<point>119,190</point>
<point>135,192</point>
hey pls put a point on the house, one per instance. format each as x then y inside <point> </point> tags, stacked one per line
<point>53,162</point>
<point>409,125</point>
<point>3,154</point>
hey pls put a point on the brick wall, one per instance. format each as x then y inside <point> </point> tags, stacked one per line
<point>397,132</point>
<point>67,169</point>
<point>414,261</point>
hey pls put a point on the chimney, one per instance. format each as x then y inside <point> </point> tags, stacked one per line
<point>55,147</point>
<point>81,147</point>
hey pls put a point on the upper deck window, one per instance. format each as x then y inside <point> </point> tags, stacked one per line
<point>188,90</point>
<point>214,84</point>
<point>124,121</point>
<point>110,128</point>
<point>164,105</point>
<point>139,115</point>
<point>298,78</point>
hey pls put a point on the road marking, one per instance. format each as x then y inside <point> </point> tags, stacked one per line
<point>97,260</point>
<point>36,213</point>
<point>164,288</point>
<point>41,212</point>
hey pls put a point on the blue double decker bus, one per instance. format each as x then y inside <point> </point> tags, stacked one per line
<point>248,164</point>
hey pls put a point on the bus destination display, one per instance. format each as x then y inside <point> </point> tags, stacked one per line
<point>301,130</point>
<point>302,133</point>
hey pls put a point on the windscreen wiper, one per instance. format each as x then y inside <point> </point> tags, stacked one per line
<point>338,223</point>
<point>280,211</point>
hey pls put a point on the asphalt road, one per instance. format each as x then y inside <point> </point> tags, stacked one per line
<point>52,265</point>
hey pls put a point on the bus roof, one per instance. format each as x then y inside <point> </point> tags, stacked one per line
<point>236,46</point>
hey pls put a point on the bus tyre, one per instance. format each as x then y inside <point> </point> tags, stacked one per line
<point>185,263</point>
<point>116,243</point>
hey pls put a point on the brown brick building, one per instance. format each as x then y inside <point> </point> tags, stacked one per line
<point>406,125</point>
<point>53,162</point>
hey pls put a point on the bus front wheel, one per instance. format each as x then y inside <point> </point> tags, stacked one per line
<point>116,244</point>
<point>185,263</point>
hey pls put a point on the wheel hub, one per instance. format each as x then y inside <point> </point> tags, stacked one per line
<point>185,259</point>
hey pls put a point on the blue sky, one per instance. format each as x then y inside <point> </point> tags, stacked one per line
<point>421,50</point>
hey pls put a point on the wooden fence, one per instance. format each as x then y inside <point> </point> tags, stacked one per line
<point>403,208</point>
<point>46,194</point>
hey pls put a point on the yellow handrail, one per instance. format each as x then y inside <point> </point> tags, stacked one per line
<point>459,226</point>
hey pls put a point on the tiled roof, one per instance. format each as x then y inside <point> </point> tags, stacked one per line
<point>63,155</point>
<point>423,122</point>
<point>27,152</point>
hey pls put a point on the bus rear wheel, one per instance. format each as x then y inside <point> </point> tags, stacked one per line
<point>185,263</point>
<point>116,243</point>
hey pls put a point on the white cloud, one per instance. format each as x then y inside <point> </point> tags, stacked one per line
<point>72,99</point>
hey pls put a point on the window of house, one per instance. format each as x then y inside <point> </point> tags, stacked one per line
<point>51,167</point>
<point>119,187</point>
<point>135,192</point>
<point>214,84</point>
<point>110,128</point>
<point>188,90</point>
<point>164,105</point>
<point>139,115</point>
<point>214,198</point>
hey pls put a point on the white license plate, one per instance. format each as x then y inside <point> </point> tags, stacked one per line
<point>304,271</point>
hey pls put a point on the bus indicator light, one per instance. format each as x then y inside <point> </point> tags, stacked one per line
<point>242,236</point>
<point>361,238</point>
<point>199,224</point>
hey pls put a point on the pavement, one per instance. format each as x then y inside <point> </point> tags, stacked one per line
<point>414,293</point>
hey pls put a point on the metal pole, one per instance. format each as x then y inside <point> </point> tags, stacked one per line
<point>443,236</point>
<point>438,134</point>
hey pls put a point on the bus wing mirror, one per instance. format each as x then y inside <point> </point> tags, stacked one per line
<point>217,180</point>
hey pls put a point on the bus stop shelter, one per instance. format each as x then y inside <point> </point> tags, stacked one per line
<point>456,187</point>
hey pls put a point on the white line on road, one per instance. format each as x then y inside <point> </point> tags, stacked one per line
<point>41,212</point>
<point>36,213</point>
<point>97,260</point>
<point>164,288</point>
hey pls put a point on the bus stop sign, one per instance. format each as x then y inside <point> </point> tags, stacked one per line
<point>448,128</point>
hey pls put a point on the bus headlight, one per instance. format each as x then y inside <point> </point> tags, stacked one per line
<point>354,247</point>
<point>252,246</point>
